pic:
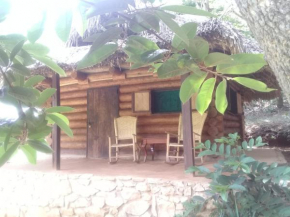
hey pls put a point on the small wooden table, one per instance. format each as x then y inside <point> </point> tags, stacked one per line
<point>152,141</point>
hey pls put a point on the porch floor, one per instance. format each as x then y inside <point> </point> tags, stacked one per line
<point>151,169</point>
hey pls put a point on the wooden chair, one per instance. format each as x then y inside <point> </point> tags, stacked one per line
<point>125,130</point>
<point>197,124</point>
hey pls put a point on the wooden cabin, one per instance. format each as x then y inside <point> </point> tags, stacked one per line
<point>110,89</point>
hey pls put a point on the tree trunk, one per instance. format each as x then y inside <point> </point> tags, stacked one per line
<point>269,21</point>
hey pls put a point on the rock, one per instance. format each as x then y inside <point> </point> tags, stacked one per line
<point>84,191</point>
<point>53,213</point>
<point>94,212</point>
<point>155,189</point>
<point>142,186</point>
<point>130,194</point>
<point>80,212</point>
<point>146,196</point>
<point>114,201</point>
<point>138,179</point>
<point>80,203</point>
<point>98,202</point>
<point>129,183</point>
<point>146,214</point>
<point>187,191</point>
<point>84,182</point>
<point>12,211</point>
<point>104,185</point>
<point>59,202</point>
<point>125,178</point>
<point>67,212</point>
<point>167,190</point>
<point>35,211</point>
<point>137,208</point>
<point>165,208</point>
<point>70,198</point>
<point>179,206</point>
<point>153,181</point>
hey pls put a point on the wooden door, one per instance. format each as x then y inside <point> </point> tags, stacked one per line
<point>103,107</point>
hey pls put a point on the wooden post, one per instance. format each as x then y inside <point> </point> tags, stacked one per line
<point>56,129</point>
<point>188,140</point>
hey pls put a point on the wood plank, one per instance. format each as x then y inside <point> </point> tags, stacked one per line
<point>76,94</point>
<point>56,129</point>
<point>73,102</point>
<point>77,109</point>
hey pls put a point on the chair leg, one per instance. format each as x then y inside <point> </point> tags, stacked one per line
<point>117,153</point>
<point>177,154</point>
<point>134,153</point>
<point>167,152</point>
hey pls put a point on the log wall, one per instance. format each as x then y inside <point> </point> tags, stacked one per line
<point>74,94</point>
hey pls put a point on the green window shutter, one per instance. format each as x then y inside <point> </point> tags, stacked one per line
<point>165,101</point>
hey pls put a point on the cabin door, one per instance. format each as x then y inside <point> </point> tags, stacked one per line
<point>103,107</point>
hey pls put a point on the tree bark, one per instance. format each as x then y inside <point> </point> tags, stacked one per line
<point>269,21</point>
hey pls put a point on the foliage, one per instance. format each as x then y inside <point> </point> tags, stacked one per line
<point>240,185</point>
<point>187,53</point>
<point>20,89</point>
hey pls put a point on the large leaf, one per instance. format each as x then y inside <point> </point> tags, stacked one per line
<point>221,101</point>
<point>97,56</point>
<point>214,59</point>
<point>35,32</point>
<point>61,123</point>
<point>7,154</point>
<point>63,25</point>
<point>51,64</point>
<point>138,45</point>
<point>20,69</point>
<point>36,49</point>
<point>191,85</point>
<point>7,138</point>
<point>33,80</point>
<point>166,18</point>
<point>44,96</point>
<point>29,152</point>
<point>198,48</point>
<point>190,30</point>
<point>40,146</point>
<point>4,59</point>
<point>170,69</point>
<point>187,10</point>
<point>253,84</point>
<point>106,36</point>
<point>150,21</point>
<point>39,132</point>
<point>204,96</point>
<point>243,64</point>
<point>59,109</point>
<point>24,94</point>
<point>16,49</point>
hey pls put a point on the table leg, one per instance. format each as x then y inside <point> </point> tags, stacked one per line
<point>152,150</point>
<point>145,152</point>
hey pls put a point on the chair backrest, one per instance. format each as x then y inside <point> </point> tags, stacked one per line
<point>125,127</point>
<point>197,125</point>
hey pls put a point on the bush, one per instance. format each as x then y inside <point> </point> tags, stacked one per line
<point>241,186</point>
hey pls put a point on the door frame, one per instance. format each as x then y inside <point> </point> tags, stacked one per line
<point>98,88</point>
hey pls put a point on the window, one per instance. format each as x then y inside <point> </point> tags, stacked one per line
<point>232,101</point>
<point>165,101</point>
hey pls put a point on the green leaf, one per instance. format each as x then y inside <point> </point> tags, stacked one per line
<point>245,145</point>
<point>20,69</point>
<point>206,152</point>
<point>40,146</point>
<point>170,69</point>
<point>106,36</point>
<point>29,152</point>
<point>198,48</point>
<point>4,59</point>
<point>138,45</point>
<point>237,187</point>
<point>24,94</point>
<point>253,84</point>
<point>248,160</point>
<point>214,59</point>
<point>16,49</point>
<point>61,122</point>
<point>221,101</point>
<point>63,25</point>
<point>58,109</point>
<point>44,96</point>
<point>166,18</point>
<point>190,30</point>
<point>187,10</point>
<point>7,138</point>
<point>214,147</point>
<point>204,96</point>
<point>149,20</point>
<point>251,143</point>
<point>36,49</point>
<point>7,155</point>
<point>191,85</point>
<point>34,80</point>
<point>222,149</point>
<point>97,56</point>
<point>224,196</point>
<point>228,150</point>
<point>245,168</point>
<point>39,132</point>
<point>207,144</point>
<point>35,32</point>
<point>243,64</point>
<point>52,65</point>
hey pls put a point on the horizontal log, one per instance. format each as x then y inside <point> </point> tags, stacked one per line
<point>76,94</point>
<point>76,138</point>
<point>231,117</point>
<point>77,109</point>
<point>78,124</point>
<point>157,129</point>
<point>75,101</point>
<point>125,97</point>
<point>234,124</point>
<point>141,72</point>
<point>149,86</point>
<point>125,105</point>
<point>130,81</point>
<point>67,81</point>
<point>73,145</point>
<point>129,112</point>
<point>77,116</point>
<point>102,76</point>
<point>158,119</point>
<point>77,131</point>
